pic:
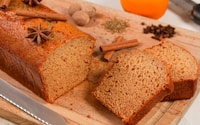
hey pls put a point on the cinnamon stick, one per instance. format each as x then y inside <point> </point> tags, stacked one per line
<point>41,15</point>
<point>120,45</point>
<point>5,4</point>
<point>108,55</point>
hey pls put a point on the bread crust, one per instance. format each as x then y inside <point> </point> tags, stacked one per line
<point>182,90</point>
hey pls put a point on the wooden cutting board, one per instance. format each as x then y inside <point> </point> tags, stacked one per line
<point>78,106</point>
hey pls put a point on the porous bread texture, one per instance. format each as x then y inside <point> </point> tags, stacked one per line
<point>50,69</point>
<point>183,67</point>
<point>66,67</point>
<point>135,83</point>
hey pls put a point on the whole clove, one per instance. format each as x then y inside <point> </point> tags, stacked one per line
<point>160,32</point>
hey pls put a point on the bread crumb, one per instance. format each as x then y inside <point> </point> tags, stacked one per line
<point>89,116</point>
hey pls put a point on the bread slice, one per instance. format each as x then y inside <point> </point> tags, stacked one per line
<point>135,83</point>
<point>183,67</point>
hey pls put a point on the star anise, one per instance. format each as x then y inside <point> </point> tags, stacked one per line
<point>38,34</point>
<point>32,2</point>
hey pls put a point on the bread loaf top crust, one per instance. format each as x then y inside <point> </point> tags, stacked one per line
<point>13,30</point>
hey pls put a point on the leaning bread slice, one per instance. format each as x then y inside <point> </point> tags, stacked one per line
<point>183,68</point>
<point>135,83</point>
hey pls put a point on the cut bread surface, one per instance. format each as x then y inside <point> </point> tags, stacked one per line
<point>133,84</point>
<point>67,67</point>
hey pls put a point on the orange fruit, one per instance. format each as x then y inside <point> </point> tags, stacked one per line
<point>149,8</point>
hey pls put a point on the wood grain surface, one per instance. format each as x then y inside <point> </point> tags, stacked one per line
<point>78,106</point>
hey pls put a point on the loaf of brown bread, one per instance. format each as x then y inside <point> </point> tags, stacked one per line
<point>183,67</point>
<point>135,83</point>
<point>52,68</point>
